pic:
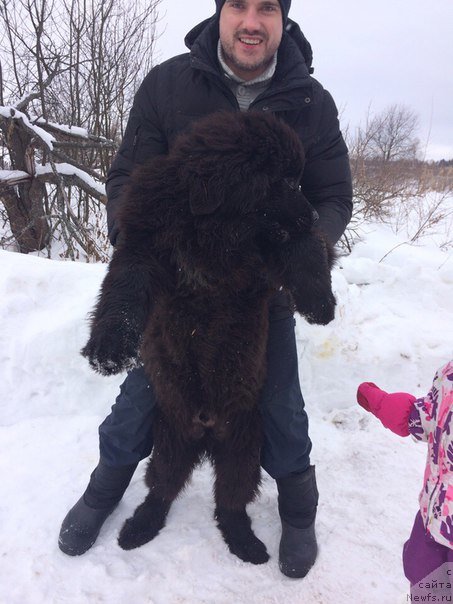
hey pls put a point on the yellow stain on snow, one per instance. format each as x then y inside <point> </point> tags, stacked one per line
<point>327,348</point>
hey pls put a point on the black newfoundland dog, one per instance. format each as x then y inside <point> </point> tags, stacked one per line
<point>209,233</point>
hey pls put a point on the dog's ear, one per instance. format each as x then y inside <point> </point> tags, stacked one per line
<point>204,196</point>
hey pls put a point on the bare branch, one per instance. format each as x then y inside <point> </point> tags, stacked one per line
<point>76,133</point>
<point>35,132</point>
<point>70,160</point>
<point>73,179</point>
<point>23,104</point>
<point>53,177</point>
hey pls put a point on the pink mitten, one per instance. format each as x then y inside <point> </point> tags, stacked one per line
<point>392,409</point>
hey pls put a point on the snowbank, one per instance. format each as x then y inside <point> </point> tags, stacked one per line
<point>393,327</point>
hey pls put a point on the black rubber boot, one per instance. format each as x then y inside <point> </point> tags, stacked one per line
<point>82,523</point>
<point>297,502</point>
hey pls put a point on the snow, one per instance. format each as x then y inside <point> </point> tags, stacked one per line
<point>12,112</point>
<point>13,175</point>
<point>66,129</point>
<point>61,167</point>
<point>70,170</point>
<point>393,327</point>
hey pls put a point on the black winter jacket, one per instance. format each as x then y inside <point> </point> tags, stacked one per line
<point>192,85</point>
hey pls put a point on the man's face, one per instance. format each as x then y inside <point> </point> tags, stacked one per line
<point>250,34</point>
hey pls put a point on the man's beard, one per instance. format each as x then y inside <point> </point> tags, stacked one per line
<point>245,65</point>
<point>263,64</point>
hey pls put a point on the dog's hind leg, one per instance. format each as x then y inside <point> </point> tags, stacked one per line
<point>145,524</point>
<point>235,526</point>
<point>169,469</point>
<point>237,471</point>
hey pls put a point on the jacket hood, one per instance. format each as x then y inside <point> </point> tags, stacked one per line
<point>210,27</point>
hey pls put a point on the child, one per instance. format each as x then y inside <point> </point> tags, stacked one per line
<point>430,419</point>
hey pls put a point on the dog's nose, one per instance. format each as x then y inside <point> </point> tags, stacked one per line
<point>205,419</point>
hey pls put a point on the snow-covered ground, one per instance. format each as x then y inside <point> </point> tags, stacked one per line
<point>393,326</point>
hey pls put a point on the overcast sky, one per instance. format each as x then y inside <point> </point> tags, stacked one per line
<point>367,53</point>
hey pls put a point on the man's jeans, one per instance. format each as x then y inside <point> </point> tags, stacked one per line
<point>126,434</point>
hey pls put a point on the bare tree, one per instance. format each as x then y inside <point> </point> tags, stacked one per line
<point>385,168</point>
<point>383,159</point>
<point>391,134</point>
<point>68,74</point>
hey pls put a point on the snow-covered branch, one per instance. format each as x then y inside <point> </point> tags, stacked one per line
<point>44,153</point>
<point>11,113</point>
<point>72,170</point>
<point>71,175</point>
<point>76,133</point>
<point>11,178</point>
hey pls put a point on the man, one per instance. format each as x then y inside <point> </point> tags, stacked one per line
<point>249,56</point>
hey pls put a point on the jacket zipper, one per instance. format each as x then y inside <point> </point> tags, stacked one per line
<point>135,142</point>
<point>429,510</point>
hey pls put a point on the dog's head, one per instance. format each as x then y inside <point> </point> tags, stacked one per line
<point>233,161</point>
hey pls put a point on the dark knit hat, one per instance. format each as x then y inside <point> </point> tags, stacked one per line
<point>285,5</point>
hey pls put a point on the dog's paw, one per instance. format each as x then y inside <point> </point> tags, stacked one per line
<point>111,352</point>
<point>319,310</point>
<point>249,549</point>
<point>135,534</point>
<point>145,524</point>
<point>237,533</point>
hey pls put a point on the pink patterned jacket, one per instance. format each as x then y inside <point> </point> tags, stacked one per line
<point>428,419</point>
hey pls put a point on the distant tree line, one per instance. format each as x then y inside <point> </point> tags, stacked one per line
<point>444,163</point>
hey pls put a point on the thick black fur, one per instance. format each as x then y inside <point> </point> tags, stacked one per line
<point>208,234</point>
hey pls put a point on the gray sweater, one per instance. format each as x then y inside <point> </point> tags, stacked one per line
<point>246,91</point>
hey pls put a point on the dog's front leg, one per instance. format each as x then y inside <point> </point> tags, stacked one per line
<point>134,279</point>
<point>119,318</point>
<point>306,272</point>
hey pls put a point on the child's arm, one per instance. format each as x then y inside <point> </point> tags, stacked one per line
<point>433,409</point>
<point>392,409</point>
<point>403,413</point>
